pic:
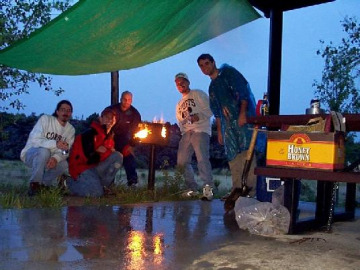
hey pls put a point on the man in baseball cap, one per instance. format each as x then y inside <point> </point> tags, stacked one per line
<point>193,115</point>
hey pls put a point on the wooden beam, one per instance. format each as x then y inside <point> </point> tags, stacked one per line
<point>114,99</point>
<point>284,5</point>
<point>275,56</point>
<point>293,173</point>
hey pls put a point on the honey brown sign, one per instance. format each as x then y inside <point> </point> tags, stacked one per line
<point>325,151</point>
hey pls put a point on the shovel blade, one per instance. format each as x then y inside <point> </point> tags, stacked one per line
<point>229,203</point>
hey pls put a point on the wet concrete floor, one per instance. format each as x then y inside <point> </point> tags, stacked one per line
<point>164,235</point>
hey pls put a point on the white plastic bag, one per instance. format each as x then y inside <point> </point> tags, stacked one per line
<point>262,218</point>
<point>278,196</point>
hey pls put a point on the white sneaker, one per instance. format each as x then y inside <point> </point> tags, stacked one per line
<point>190,193</point>
<point>207,193</point>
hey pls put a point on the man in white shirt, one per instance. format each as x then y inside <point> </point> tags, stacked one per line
<point>47,148</point>
<point>193,115</point>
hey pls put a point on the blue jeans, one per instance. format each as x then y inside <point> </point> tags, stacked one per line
<point>198,143</point>
<point>91,182</point>
<point>36,158</point>
<point>130,169</point>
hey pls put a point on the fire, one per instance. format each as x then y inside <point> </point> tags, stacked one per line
<point>160,121</point>
<point>163,132</point>
<point>142,134</point>
<point>153,133</point>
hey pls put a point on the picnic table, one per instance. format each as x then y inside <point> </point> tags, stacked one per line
<point>325,179</point>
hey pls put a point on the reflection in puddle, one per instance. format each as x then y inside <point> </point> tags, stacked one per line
<point>136,250</point>
<point>139,251</point>
<point>156,236</point>
<point>158,249</point>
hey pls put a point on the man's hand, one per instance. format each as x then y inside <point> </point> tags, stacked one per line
<point>242,120</point>
<point>226,113</point>
<point>101,149</point>
<point>62,145</point>
<point>128,150</point>
<point>194,118</point>
<point>191,119</point>
<point>51,163</point>
<point>242,115</point>
<point>220,138</point>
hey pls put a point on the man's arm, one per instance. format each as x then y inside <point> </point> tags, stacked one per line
<point>219,133</point>
<point>133,127</point>
<point>242,115</point>
<point>37,135</point>
<point>88,145</point>
<point>240,87</point>
<point>203,101</point>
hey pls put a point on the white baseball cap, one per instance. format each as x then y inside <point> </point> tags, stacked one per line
<point>182,75</point>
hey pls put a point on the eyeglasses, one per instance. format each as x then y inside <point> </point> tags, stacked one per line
<point>65,110</point>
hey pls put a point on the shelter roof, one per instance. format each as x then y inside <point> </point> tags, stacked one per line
<point>284,5</point>
<point>101,36</point>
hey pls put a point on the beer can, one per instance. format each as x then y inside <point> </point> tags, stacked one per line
<point>315,103</point>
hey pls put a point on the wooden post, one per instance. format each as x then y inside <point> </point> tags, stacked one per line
<point>151,176</point>
<point>114,87</point>
<point>274,77</point>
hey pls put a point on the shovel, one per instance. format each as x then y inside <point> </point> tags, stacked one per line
<point>244,190</point>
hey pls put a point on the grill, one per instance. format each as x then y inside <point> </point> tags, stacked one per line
<point>152,134</point>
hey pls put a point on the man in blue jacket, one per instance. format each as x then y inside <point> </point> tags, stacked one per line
<point>231,101</point>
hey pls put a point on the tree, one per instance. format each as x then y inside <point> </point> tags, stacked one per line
<point>18,19</point>
<point>338,89</point>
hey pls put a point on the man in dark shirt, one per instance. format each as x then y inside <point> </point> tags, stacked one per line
<point>127,120</point>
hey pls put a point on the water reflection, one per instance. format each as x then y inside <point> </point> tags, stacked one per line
<point>116,233</point>
<point>136,250</point>
<point>44,240</point>
<point>28,235</point>
<point>155,236</point>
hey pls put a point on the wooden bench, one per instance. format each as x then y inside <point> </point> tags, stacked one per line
<point>325,179</point>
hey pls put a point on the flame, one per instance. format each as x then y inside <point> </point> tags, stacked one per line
<point>158,249</point>
<point>160,121</point>
<point>163,132</point>
<point>143,133</point>
<point>136,249</point>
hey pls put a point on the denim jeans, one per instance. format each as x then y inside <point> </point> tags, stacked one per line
<point>91,182</point>
<point>198,143</point>
<point>36,158</point>
<point>130,169</point>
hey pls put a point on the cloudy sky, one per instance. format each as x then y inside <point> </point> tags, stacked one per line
<point>246,48</point>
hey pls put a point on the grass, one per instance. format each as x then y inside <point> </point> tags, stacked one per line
<point>15,196</point>
<point>169,185</point>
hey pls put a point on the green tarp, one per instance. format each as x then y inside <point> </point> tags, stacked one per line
<point>96,36</point>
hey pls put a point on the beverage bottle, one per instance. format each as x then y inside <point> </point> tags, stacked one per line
<point>265,105</point>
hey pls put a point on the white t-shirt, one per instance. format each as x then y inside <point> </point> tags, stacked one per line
<point>195,102</point>
<point>46,132</point>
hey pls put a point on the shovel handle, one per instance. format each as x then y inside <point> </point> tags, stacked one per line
<point>250,151</point>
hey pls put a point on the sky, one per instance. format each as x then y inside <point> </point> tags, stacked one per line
<point>246,48</point>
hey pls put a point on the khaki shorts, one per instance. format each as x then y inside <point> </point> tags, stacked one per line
<point>237,167</point>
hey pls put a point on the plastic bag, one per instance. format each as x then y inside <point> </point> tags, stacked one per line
<point>278,196</point>
<point>262,218</point>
